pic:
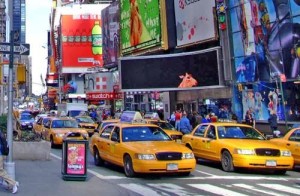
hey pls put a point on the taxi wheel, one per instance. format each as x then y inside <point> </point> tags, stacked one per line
<point>128,167</point>
<point>226,162</point>
<point>97,159</point>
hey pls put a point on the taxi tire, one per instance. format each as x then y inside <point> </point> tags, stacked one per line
<point>226,161</point>
<point>97,159</point>
<point>128,167</point>
<point>52,142</point>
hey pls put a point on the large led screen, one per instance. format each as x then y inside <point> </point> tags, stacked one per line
<point>193,70</point>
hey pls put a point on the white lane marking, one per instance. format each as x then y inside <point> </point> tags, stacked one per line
<point>282,188</point>
<point>204,173</point>
<point>140,189</point>
<point>215,189</point>
<point>93,172</point>
<point>203,178</point>
<point>172,188</point>
<point>252,188</point>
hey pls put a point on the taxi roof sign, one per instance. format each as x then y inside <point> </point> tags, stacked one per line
<point>131,117</point>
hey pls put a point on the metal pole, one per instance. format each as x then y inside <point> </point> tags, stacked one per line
<point>283,104</point>
<point>10,165</point>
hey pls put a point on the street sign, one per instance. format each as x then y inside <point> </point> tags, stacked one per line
<point>19,49</point>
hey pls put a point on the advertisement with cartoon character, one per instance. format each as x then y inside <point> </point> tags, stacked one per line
<point>266,38</point>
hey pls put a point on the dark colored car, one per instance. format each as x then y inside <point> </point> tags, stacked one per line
<point>25,122</point>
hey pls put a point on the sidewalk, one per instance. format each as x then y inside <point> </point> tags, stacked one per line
<point>43,178</point>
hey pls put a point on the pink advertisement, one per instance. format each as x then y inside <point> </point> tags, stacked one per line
<point>76,159</point>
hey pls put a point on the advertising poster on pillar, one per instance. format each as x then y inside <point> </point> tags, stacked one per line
<point>266,39</point>
<point>184,71</point>
<point>110,33</point>
<point>195,21</point>
<point>263,97</point>
<point>81,42</point>
<point>140,25</point>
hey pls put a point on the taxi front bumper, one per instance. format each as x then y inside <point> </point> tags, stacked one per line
<point>155,166</point>
<point>263,162</point>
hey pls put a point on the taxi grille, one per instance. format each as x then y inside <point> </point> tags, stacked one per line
<point>267,152</point>
<point>89,127</point>
<point>168,156</point>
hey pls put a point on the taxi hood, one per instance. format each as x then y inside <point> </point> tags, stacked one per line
<point>156,146</point>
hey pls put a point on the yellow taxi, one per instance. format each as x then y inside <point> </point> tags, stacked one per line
<point>237,146</point>
<point>140,147</point>
<point>38,126</point>
<point>168,128</point>
<point>57,128</point>
<point>291,140</point>
<point>87,123</point>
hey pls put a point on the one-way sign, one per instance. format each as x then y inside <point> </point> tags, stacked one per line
<point>20,49</point>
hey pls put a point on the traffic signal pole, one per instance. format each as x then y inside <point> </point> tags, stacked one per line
<point>9,164</point>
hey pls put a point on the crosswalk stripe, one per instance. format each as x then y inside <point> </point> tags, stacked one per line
<point>215,189</point>
<point>252,188</point>
<point>140,189</point>
<point>282,188</point>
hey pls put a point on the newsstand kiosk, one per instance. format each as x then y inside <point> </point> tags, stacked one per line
<point>74,157</point>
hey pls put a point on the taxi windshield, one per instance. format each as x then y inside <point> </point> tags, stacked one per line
<point>163,125</point>
<point>64,124</point>
<point>85,120</point>
<point>26,117</point>
<point>239,132</point>
<point>145,133</point>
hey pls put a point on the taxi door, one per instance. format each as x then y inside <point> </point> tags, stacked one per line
<point>103,142</point>
<point>115,147</point>
<point>197,140</point>
<point>210,143</point>
<point>293,144</point>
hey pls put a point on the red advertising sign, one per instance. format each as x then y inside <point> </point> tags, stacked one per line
<point>93,96</point>
<point>75,158</point>
<point>81,41</point>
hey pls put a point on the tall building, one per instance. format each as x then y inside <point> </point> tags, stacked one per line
<point>18,15</point>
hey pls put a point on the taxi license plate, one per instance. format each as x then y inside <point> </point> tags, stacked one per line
<point>172,166</point>
<point>271,163</point>
<point>178,141</point>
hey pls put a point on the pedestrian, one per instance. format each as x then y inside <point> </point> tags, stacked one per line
<point>6,179</point>
<point>234,118</point>
<point>273,123</point>
<point>184,124</point>
<point>172,119</point>
<point>177,119</point>
<point>206,119</point>
<point>198,119</point>
<point>249,118</point>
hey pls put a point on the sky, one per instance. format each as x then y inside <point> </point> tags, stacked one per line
<point>37,25</point>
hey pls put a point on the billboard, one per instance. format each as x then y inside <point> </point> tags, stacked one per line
<point>110,33</point>
<point>78,47</point>
<point>183,71</point>
<point>193,28</point>
<point>265,39</point>
<point>140,25</point>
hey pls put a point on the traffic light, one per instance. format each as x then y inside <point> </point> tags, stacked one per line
<point>21,73</point>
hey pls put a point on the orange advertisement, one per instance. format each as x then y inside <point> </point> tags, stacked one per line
<point>81,40</point>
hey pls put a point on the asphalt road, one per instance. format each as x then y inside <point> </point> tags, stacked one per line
<point>207,179</point>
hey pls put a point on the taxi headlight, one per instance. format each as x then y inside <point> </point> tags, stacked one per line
<point>59,135</point>
<point>23,123</point>
<point>145,156</point>
<point>244,151</point>
<point>286,153</point>
<point>188,155</point>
